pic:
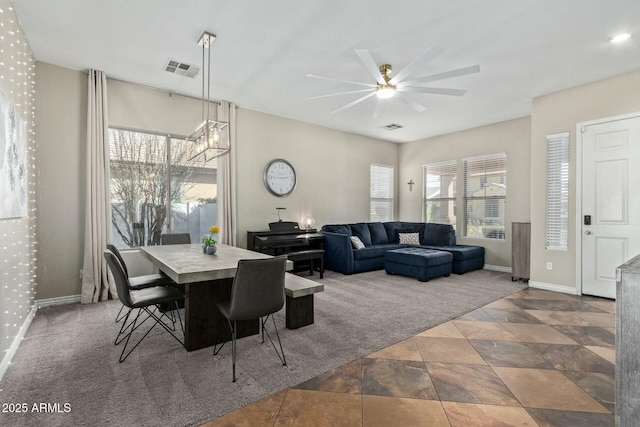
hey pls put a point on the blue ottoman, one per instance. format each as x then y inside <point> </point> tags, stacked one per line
<point>423,264</point>
<point>465,258</point>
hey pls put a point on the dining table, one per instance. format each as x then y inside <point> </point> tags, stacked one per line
<point>207,279</point>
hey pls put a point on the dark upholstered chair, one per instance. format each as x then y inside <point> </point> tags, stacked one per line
<point>175,239</point>
<point>257,292</point>
<point>141,300</point>
<point>139,282</point>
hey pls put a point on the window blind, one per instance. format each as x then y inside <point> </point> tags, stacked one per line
<point>485,194</point>
<point>557,215</point>
<point>381,193</point>
<point>439,192</point>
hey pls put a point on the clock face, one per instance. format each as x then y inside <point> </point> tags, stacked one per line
<point>280,177</point>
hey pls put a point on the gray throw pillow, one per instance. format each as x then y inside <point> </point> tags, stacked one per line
<point>356,243</point>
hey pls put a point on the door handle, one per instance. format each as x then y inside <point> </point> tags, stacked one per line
<point>587,232</point>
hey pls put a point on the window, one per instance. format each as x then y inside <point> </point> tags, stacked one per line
<point>485,195</point>
<point>557,191</point>
<point>381,193</point>
<point>439,197</point>
<point>155,189</point>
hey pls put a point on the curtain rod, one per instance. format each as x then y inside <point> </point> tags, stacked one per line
<point>170,92</point>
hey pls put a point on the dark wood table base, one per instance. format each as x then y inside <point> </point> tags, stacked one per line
<point>203,320</point>
<point>299,311</point>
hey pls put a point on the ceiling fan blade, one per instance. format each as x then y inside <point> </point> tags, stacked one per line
<point>338,93</point>
<point>423,58</point>
<point>313,76</point>
<point>351,104</point>
<point>434,90</point>
<point>441,76</point>
<point>370,65</point>
<point>378,108</point>
<point>410,102</point>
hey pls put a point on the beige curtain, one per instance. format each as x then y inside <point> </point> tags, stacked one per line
<point>95,283</point>
<point>227,178</point>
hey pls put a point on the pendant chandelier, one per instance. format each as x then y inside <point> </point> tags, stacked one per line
<point>210,139</point>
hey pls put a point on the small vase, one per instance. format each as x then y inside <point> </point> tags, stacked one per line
<point>212,249</point>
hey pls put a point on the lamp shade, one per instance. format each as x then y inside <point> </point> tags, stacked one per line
<point>208,141</point>
<point>308,222</point>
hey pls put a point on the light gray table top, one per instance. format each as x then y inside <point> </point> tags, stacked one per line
<point>187,263</point>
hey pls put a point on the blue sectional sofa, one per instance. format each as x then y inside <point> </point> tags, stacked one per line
<point>380,237</point>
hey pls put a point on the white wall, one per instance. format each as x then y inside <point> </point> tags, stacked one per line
<point>332,168</point>
<point>61,131</point>
<point>560,112</point>
<point>512,137</point>
<point>17,235</point>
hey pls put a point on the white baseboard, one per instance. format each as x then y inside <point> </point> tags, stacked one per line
<point>13,348</point>
<point>497,268</point>
<point>553,287</point>
<point>52,302</point>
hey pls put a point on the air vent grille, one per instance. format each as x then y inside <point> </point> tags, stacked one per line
<point>177,67</point>
<point>392,126</point>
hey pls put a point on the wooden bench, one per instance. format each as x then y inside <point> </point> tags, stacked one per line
<point>309,255</point>
<point>299,300</point>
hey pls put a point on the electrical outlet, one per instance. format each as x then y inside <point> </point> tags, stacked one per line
<point>81,273</point>
<point>549,266</point>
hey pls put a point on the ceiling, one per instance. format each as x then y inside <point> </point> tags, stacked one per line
<point>265,49</point>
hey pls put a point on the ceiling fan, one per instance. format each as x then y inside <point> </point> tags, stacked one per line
<point>397,86</point>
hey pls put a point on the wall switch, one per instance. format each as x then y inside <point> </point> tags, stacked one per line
<point>549,266</point>
<point>81,274</point>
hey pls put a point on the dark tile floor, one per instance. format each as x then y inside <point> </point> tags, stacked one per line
<point>535,358</point>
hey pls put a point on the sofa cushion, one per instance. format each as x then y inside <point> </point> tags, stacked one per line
<point>378,233</point>
<point>408,227</point>
<point>390,228</point>
<point>338,229</point>
<point>438,235</point>
<point>361,230</point>
<point>376,251</point>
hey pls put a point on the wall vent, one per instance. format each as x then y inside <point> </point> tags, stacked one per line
<point>392,126</point>
<point>177,67</point>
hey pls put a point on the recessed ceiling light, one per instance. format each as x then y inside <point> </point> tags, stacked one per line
<point>619,38</point>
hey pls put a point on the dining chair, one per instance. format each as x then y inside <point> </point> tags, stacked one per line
<point>175,239</point>
<point>141,300</point>
<point>257,292</point>
<point>138,282</point>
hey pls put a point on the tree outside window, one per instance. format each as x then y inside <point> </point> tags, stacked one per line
<point>155,189</point>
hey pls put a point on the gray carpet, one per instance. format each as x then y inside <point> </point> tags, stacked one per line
<point>68,354</point>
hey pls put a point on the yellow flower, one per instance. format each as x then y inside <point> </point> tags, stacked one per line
<point>214,229</point>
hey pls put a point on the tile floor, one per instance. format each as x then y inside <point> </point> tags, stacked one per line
<point>534,358</point>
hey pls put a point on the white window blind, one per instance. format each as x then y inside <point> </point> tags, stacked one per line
<point>557,191</point>
<point>381,193</point>
<point>439,192</point>
<point>485,196</point>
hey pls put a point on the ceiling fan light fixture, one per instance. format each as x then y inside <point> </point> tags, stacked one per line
<point>385,91</point>
<point>619,38</point>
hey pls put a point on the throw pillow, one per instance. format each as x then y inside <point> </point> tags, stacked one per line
<point>409,239</point>
<point>398,231</point>
<point>356,243</point>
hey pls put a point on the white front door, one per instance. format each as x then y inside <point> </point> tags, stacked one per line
<point>610,202</point>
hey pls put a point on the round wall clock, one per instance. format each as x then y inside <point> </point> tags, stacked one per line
<point>280,177</point>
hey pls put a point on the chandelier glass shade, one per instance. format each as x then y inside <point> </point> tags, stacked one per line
<point>211,138</point>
